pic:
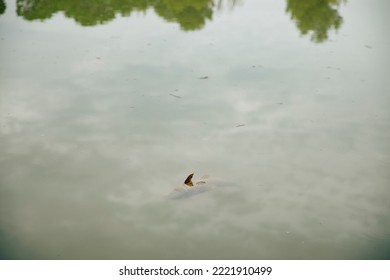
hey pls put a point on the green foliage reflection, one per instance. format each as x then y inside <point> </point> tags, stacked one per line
<point>190,14</point>
<point>2,7</point>
<point>315,16</point>
<point>86,12</point>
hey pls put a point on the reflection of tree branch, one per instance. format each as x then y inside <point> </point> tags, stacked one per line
<point>230,3</point>
<point>2,7</point>
<point>315,16</point>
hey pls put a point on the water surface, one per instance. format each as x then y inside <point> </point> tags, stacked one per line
<point>107,106</point>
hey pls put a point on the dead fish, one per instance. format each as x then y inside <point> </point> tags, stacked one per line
<point>190,187</point>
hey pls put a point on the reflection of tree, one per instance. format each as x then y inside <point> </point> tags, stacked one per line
<point>190,14</point>
<point>315,16</point>
<point>86,12</point>
<point>2,7</point>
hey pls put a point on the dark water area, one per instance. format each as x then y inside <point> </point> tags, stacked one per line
<point>107,106</point>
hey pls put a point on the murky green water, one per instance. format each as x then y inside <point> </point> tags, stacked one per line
<point>105,108</point>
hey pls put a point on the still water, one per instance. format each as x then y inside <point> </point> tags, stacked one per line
<point>107,106</point>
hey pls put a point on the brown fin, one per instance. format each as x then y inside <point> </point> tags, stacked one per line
<point>188,181</point>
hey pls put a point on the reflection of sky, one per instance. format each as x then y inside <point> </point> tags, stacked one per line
<point>92,140</point>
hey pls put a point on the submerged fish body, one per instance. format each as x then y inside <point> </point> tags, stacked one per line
<point>185,192</point>
<point>190,188</point>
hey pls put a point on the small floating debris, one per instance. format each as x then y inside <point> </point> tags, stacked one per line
<point>368,46</point>
<point>98,57</point>
<point>204,77</point>
<point>174,95</point>
<point>240,125</point>
<point>333,68</point>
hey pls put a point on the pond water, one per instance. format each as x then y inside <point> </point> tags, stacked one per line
<point>107,106</point>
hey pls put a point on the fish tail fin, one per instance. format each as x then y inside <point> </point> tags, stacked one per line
<point>188,181</point>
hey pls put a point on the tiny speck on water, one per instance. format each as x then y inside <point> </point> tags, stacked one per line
<point>240,125</point>
<point>204,77</point>
<point>174,95</point>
